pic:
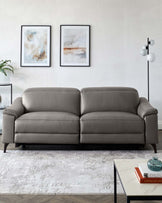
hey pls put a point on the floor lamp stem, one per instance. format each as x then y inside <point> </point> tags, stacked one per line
<point>148,82</point>
<point>148,71</point>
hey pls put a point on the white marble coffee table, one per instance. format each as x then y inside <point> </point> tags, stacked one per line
<point>132,188</point>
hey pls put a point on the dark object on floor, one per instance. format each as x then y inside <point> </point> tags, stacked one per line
<point>5,147</point>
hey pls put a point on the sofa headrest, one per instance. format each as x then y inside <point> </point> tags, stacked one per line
<point>96,99</point>
<point>52,99</point>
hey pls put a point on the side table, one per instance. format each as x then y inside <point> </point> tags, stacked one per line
<point>133,190</point>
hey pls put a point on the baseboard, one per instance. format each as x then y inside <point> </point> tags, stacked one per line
<point>160,125</point>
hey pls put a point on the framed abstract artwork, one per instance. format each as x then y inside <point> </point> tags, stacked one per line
<point>75,45</point>
<point>35,46</point>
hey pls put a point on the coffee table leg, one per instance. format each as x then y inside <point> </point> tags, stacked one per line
<point>115,186</point>
<point>128,200</point>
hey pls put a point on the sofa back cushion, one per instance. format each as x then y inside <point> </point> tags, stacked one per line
<point>52,99</point>
<point>109,99</point>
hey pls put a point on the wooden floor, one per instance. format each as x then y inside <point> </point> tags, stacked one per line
<point>68,198</point>
<point>60,199</point>
<point>65,199</point>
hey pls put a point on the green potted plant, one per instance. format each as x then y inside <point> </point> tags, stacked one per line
<point>6,66</point>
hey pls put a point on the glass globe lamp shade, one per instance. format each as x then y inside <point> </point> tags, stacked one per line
<point>152,42</point>
<point>151,57</point>
<point>143,52</point>
<point>144,47</point>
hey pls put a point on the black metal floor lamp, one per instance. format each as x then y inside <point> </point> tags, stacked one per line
<point>150,58</point>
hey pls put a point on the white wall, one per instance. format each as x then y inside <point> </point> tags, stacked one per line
<point>119,29</point>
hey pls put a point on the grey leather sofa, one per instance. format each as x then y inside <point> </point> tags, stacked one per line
<point>103,115</point>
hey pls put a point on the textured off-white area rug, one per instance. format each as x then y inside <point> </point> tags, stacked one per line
<point>62,172</point>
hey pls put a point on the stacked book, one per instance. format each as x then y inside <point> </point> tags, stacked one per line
<point>145,175</point>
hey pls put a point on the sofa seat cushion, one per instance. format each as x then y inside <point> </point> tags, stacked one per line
<point>111,122</point>
<point>47,122</point>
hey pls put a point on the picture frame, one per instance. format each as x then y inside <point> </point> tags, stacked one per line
<point>75,45</point>
<point>35,46</point>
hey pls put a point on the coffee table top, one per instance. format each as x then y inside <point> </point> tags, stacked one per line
<point>131,186</point>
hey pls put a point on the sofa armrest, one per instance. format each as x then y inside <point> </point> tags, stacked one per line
<point>16,109</point>
<point>149,115</point>
<point>8,128</point>
<point>151,129</point>
<point>10,114</point>
<point>145,108</point>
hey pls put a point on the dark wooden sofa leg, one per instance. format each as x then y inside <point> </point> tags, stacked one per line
<point>5,147</point>
<point>154,147</point>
